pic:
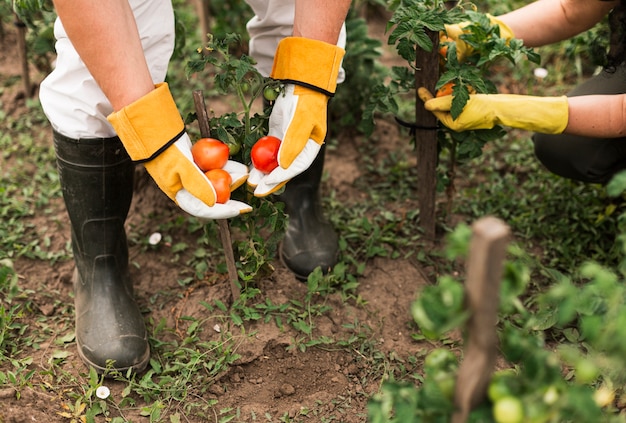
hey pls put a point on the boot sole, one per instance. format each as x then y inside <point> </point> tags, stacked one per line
<point>137,368</point>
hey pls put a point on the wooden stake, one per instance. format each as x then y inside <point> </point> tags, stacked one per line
<point>224,230</point>
<point>22,53</point>
<point>482,292</point>
<point>202,8</point>
<point>426,75</point>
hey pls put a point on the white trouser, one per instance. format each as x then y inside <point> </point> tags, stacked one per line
<point>71,98</point>
<point>73,101</point>
<point>272,22</point>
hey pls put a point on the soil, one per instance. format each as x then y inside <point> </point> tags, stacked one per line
<point>272,377</point>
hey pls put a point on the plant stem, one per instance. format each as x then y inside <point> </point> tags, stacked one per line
<point>227,245</point>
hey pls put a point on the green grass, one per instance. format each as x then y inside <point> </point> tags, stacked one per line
<point>28,184</point>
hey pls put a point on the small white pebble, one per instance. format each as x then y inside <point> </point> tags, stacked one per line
<point>217,328</point>
<point>155,238</point>
<point>103,392</point>
<point>541,73</point>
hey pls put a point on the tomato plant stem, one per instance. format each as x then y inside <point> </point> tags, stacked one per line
<point>224,230</point>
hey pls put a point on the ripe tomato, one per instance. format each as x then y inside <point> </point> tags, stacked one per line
<point>221,181</point>
<point>264,153</point>
<point>443,46</point>
<point>446,89</point>
<point>209,153</point>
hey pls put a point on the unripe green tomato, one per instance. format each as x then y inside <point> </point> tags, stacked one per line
<point>233,148</point>
<point>603,396</point>
<point>446,382</point>
<point>270,93</point>
<point>441,359</point>
<point>586,371</point>
<point>551,395</point>
<point>502,384</point>
<point>245,86</point>
<point>508,410</point>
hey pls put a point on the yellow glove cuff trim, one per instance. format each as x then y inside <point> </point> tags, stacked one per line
<point>309,62</point>
<point>505,31</point>
<point>145,126</point>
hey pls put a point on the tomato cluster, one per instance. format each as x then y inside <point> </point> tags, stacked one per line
<point>210,155</point>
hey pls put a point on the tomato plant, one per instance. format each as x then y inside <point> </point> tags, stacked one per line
<point>411,26</point>
<point>209,154</point>
<point>264,153</point>
<point>234,75</point>
<point>221,181</point>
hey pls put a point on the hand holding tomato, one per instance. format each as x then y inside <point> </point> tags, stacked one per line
<point>221,180</point>
<point>299,113</point>
<point>209,154</point>
<point>264,154</point>
<point>301,129</point>
<point>223,175</point>
<point>264,157</point>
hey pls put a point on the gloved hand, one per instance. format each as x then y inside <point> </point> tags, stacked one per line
<point>153,133</point>
<point>463,50</point>
<point>548,115</point>
<point>309,69</point>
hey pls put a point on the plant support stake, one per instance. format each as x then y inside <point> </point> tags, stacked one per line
<point>227,245</point>
<point>23,54</point>
<point>426,75</point>
<point>490,237</point>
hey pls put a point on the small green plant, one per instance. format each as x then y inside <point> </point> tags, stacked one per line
<point>578,379</point>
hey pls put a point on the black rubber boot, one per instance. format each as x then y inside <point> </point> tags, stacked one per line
<point>310,240</point>
<point>97,183</point>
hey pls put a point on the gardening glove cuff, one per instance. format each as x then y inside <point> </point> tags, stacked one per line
<point>548,115</point>
<point>463,49</point>
<point>309,69</point>
<point>153,133</point>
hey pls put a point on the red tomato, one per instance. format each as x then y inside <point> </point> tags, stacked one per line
<point>221,181</point>
<point>209,153</point>
<point>446,89</point>
<point>264,153</point>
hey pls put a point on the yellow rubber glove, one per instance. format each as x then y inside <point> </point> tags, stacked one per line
<point>463,50</point>
<point>309,69</point>
<point>153,133</point>
<point>548,115</point>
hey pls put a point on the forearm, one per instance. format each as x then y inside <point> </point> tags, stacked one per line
<point>320,19</point>
<point>105,36</point>
<point>599,116</point>
<point>548,21</point>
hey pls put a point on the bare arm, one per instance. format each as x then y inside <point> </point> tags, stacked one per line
<point>105,36</point>
<point>320,19</point>
<point>597,116</point>
<point>548,21</point>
